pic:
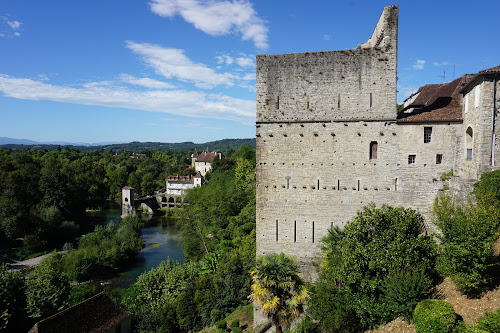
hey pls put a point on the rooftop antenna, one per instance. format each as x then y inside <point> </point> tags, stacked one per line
<point>443,76</point>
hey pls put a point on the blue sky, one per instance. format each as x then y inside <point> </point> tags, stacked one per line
<point>184,70</point>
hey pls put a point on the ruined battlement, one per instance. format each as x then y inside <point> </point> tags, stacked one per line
<point>346,85</point>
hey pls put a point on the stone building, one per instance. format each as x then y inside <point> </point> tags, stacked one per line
<point>178,185</point>
<point>202,162</point>
<point>329,139</point>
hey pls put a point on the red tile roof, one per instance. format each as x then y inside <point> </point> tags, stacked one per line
<point>436,102</point>
<point>207,157</point>
<point>492,69</point>
<point>94,315</point>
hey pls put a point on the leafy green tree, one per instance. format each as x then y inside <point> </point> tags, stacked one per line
<point>373,245</point>
<point>278,288</point>
<point>48,288</point>
<point>80,293</point>
<point>12,300</point>
<point>468,235</point>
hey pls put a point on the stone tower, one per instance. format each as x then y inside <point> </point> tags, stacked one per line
<point>128,203</point>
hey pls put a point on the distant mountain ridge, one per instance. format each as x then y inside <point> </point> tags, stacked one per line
<point>224,144</point>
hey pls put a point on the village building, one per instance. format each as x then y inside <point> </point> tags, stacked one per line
<point>202,162</point>
<point>329,140</point>
<point>97,314</point>
<point>178,185</point>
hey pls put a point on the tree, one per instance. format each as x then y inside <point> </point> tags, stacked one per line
<point>48,288</point>
<point>278,288</point>
<point>364,260</point>
<point>12,300</point>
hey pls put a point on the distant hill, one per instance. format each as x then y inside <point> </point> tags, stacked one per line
<point>137,146</point>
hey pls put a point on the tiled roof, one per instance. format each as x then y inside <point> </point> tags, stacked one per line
<point>180,179</point>
<point>436,102</point>
<point>128,188</point>
<point>207,157</point>
<point>492,69</point>
<point>94,315</point>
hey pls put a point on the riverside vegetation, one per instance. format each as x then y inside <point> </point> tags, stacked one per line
<point>380,266</point>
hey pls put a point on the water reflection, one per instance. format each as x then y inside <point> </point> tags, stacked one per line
<point>162,238</point>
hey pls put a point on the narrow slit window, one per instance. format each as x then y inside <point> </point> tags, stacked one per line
<point>308,103</point>
<point>338,185</point>
<point>371,99</point>
<point>373,150</point>
<point>318,184</point>
<point>287,182</point>
<point>276,230</point>
<point>396,184</point>
<point>338,101</point>
<point>427,134</point>
<point>313,231</point>
<point>358,184</point>
<point>411,159</point>
<point>439,158</point>
<point>277,102</point>
<point>294,231</point>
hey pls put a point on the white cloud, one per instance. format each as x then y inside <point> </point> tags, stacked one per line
<point>217,18</point>
<point>175,102</point>
<point>171,62</point>
<point>15,25</point>
<point>245,62</point>
<point>9,28</point>
<point>442,63</point>
<point>145,82</point>
<point>224,59</point>
<point>327,37</point>
<point>419,64</point>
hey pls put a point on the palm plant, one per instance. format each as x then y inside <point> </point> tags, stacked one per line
<point>278,289</point>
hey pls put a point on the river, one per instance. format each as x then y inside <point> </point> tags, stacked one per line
<point>162,238</point>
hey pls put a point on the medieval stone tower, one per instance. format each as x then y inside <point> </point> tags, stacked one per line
<point>329,141</point>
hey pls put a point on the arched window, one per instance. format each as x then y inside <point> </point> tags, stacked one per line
<point>469,142</point>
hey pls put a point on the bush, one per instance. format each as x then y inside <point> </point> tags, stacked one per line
<point>234,323</point>
<point>221,324</point>
<point>434,316</point>
<point>403,289</point>
<point>80,293</point>
<point>330,311</point>
<point>468,235</point>
<point>490,322</point>
<point>378,241</point>
<point>236,330</point>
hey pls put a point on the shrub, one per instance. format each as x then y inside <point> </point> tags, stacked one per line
<point>330,311</point>
<point>403,289</point>
<point>434,316</point>
<point>236,330</point>
<point>221,324</point>
<point>234,323</point>
<point>80,293</point>
<point>490,322</point>
<point>468,235</point>
<point>376,242</point>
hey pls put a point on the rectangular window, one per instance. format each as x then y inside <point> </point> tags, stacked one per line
<point>477,93</point>
<point>427,134</point>
<point>469,154</point>
<point>439,158</point>
<point>411,159</point>
<point>373,150</point>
